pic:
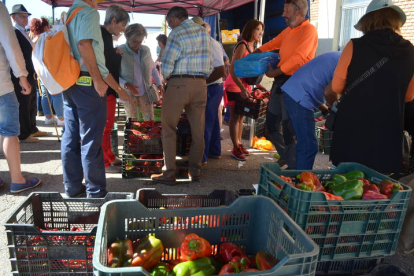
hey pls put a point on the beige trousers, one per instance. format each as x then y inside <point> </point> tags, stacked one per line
<point>189,94</point>
<point>139,103</point>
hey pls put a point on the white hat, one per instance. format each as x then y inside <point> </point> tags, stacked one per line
<point>376,5</point>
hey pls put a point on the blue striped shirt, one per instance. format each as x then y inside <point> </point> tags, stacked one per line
<point>188,51</point>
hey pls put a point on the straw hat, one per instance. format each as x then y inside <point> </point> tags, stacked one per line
<point>376,5</point>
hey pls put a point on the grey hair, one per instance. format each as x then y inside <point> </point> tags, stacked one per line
<point>302,4</point>
<point>117,12</point>
<point>178,12</point>
<point>134,30</point>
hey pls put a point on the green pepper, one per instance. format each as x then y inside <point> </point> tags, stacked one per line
<point>338,178</point>
<point>161,269</point>
<point>356,174</point>
<point>305,187</point>
<point>329,184</point>
<point>349,190</point>
<point>198,267</point>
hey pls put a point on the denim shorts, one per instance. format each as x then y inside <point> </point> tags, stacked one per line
<point>9,115</point>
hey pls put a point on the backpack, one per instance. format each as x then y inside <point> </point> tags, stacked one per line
<point>53,59</point>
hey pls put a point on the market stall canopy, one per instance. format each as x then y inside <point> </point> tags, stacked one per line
<point>201,8</point>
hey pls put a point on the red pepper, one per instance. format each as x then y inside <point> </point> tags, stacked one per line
<point>387,187</point>
<point>249,270</point>
<point>370,194</point>
<point>330,196</point>
<point>364,181</point>
<point>371,187</point>
<point>287,179</point>
<point>265,261</point>
<point>194,247</point>
<point>228,250</point>
<point>237,264</point>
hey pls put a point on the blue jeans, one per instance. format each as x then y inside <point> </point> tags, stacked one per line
<point>55,100</point>
<point>9,115</point>
<point>304,126</point>
<point>212,138</point>
<point>82,156</point>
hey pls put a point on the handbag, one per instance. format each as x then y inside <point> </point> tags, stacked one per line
<point>331,117</point>
<point>153,94</point>
<point>249,80</point>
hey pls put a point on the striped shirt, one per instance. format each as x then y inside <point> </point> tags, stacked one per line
<point>188,51</point>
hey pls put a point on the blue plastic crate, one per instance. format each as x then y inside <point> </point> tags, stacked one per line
<point>342,229</point>
<point>253,222</point>
<point>36,252</point>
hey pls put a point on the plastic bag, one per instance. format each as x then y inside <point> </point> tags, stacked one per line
<point>255,64</point>
<point>262,144</point>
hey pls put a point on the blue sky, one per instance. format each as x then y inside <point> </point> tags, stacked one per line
<point>39,8</point>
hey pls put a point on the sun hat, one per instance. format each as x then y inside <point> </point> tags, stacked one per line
<point>19,8</point>
<point>376,5</point>
<point>198,20</point>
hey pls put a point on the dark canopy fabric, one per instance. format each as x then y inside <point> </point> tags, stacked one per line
<point>201,8</point>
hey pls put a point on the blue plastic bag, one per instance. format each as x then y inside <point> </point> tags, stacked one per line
<point>254,65</point>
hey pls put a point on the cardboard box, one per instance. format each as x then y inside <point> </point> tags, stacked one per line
<point>230,36</point>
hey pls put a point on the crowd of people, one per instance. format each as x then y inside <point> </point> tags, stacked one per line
<point>358,84</point>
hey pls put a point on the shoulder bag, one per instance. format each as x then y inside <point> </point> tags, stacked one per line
<point>153,94</point>
<point>330,119</point>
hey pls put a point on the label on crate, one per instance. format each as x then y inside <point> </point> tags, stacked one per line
<point>246,109</point>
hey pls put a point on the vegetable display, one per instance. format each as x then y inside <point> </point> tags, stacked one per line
<point>196,257</point>
<point>349,186</point>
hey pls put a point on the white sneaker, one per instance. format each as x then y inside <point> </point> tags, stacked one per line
<point>60,122</point>
<point>49,121</point>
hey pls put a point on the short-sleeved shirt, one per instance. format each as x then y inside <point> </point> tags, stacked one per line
<point>307,85</point>
<point>217,53</point>
<point>188,51</point>
<point>85,25</point>
<point>296,46</point>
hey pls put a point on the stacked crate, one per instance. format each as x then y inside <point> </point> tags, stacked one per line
<point>142,149</point>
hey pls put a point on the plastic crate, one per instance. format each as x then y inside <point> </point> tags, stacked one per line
<point>152,199</point>
<point>324,140</point>
<point>114,139</point>
<point>138,165</point>
<point>342,229</point>
<point>253,108</point>
<point>259,129</point>
<point>143,143</point>
<point>183,144</point>
<point>183,126</point>
<point>255,223</point>
<point>347,267</point>
<point>35,252</point>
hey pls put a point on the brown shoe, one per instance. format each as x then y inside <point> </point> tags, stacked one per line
<point>30,139</point>
<point>163,179</point>
<point>194,178</point>
<point>40,134</point>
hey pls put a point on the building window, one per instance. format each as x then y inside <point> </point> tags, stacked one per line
<point>352,11</point>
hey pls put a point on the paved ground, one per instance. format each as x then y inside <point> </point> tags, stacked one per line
<point>43,160</point>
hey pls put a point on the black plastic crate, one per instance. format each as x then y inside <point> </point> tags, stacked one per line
<point>183,126</point>
<point>141,165</point>
<point>153,199</point>
<point>347,267</point>
<point>324,140</point>
<point>245,192</point>
<point>36,252</point>
<point>183,144</point>
<point>260,129</point>
<point>142,143</point>
<point>253,108</point>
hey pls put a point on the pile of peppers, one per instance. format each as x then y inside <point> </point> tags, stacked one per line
<point>196,257</point>
<point>349,186</point>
